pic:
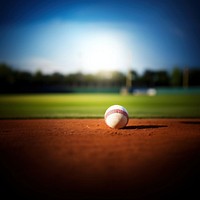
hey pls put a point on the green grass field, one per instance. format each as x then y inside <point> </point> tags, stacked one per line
<point>94,105</point>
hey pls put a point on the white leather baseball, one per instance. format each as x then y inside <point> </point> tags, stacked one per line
<point>116,116</point>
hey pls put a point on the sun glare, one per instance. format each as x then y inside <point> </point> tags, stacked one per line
<point>104,52</point>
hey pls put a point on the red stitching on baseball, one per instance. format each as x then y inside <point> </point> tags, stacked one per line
<point>116,111</point>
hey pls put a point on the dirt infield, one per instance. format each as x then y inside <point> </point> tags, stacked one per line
<point>84,159</point>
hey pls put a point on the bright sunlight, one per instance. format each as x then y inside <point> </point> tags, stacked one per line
<point>104,51</point>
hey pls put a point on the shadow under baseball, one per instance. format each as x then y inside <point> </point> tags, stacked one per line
<point>145,127</point>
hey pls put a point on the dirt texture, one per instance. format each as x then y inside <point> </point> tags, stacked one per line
<point>85,159</point>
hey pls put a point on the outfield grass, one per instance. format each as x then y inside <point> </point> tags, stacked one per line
<point>94,105</point>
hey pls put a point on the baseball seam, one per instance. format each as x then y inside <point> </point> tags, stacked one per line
<point>116,111</point>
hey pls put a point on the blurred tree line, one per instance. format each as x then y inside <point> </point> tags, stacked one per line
<point>12,80</point>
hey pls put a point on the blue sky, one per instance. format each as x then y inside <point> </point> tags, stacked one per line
<point>88,36</point>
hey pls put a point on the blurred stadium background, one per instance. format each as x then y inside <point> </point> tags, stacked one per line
<point>177,81</point>
<point>58,49</point>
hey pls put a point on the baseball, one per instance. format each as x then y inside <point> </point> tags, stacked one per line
<point>116,116</point>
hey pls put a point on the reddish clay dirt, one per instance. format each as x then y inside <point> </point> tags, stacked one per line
<point>84,159</point>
